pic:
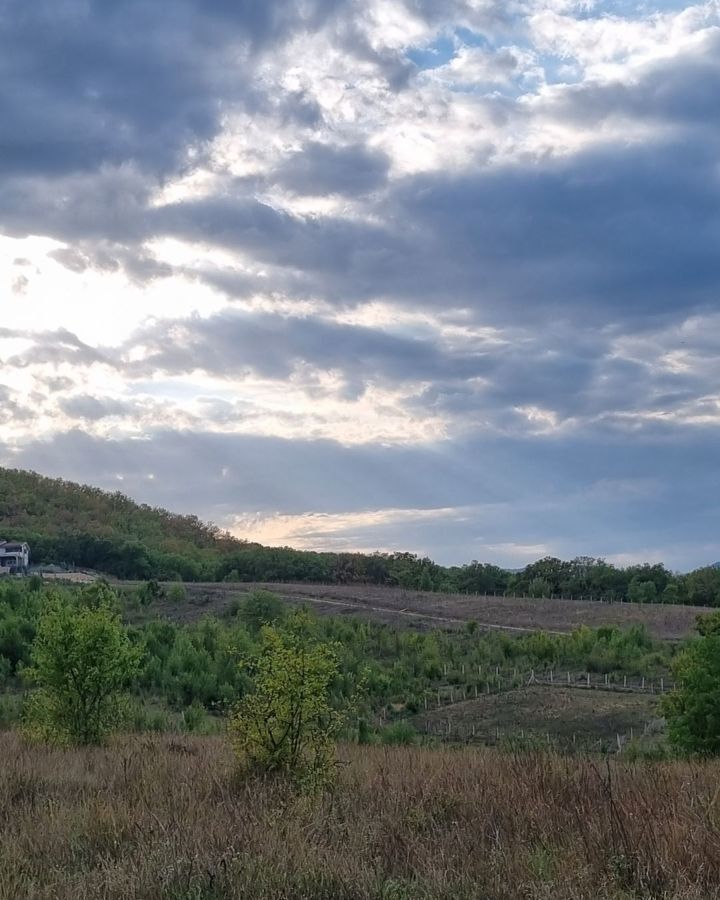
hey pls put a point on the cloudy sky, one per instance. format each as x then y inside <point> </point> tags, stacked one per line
<point>371,274</point>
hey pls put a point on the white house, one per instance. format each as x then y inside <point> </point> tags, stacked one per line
<point>14,557</point>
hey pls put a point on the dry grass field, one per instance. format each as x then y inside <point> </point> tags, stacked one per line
<point>537,711</point>
<point>416,609</point>
<point>166,819</point>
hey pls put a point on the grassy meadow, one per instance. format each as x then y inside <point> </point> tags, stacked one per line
<point>165,818</point>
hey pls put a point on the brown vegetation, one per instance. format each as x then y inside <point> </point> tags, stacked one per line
<point>417,609</point>
<point>562,713</point>
<point>165,819</point>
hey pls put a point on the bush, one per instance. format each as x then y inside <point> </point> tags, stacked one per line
<point>693,709</point>
<point>82,660</point>
<point>261,608</point>
<point>177,593</point>
<point>286,724</point>
<point>401,733</point>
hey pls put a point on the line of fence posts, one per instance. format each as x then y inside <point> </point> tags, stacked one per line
<point>498,682</point>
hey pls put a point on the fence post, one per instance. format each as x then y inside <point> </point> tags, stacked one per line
<point>568,677</point>
<point>662,685</point>
<point>624,681</point>
<point>588,679</point>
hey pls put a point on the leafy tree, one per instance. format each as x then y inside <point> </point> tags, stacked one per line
<point>82,659</point>
<point>539,587</point>
<point>261,608</point>
<point>287,723</point>
<point>693,709</point>
<point>642,591</point>
<point>703,586</point>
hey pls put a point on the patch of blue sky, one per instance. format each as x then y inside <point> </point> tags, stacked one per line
<point>444,48</point>
<point>435,54</point>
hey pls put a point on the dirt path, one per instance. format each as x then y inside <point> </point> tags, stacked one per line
<point>416,609</point>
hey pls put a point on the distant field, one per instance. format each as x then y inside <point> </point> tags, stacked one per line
<point>561,713</point>
<point>395,606</point>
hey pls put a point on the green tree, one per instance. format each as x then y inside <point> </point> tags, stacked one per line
<point>642,591</point>
<point>703,586</point>
<point>261,608</point>
<point>287,723</point>
<point>82,660</point>
<point>693,709</point>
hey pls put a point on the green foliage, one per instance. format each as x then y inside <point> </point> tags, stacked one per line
<point>693,709</point>
<point>287,723</point>
<point>150,592</point>
<point>177,593</point>
<point>261,608</point>
<point>196,664</point>
<point>82,660</point>
<point>642,591</point>
<point>703,586</point>
<point>399,733</point>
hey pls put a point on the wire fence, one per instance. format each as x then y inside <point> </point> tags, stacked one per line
<point>496,681</point>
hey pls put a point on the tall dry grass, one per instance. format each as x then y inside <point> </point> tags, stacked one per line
<point>162,818</point>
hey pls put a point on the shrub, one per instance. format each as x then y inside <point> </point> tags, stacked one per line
<point>82,659</point>
<point>693,709</point>
<point>401,733</point>
<point>177,593</point>
<point>286,724</point>
<point>261,608</point>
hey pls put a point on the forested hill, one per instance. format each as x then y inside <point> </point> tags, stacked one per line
<point>83,526</point>
<point>73,523</point>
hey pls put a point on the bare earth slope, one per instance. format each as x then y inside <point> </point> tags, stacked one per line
<point>429,610</point>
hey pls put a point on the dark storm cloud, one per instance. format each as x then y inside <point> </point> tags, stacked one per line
<point>324,169</point>
<point>684,92</point>
<point>611,234</point>
<point>233,343</point>
<point>86,82</point>
<point>85,406</point>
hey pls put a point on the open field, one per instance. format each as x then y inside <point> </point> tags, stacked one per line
<point>563,713</point>
<point>164,819</point>
<point>395,606</point>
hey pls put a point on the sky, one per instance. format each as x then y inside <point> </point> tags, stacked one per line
<point>371,274</point>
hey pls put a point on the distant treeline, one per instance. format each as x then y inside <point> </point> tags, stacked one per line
<point>584,577</point>
<point>80,526</point>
